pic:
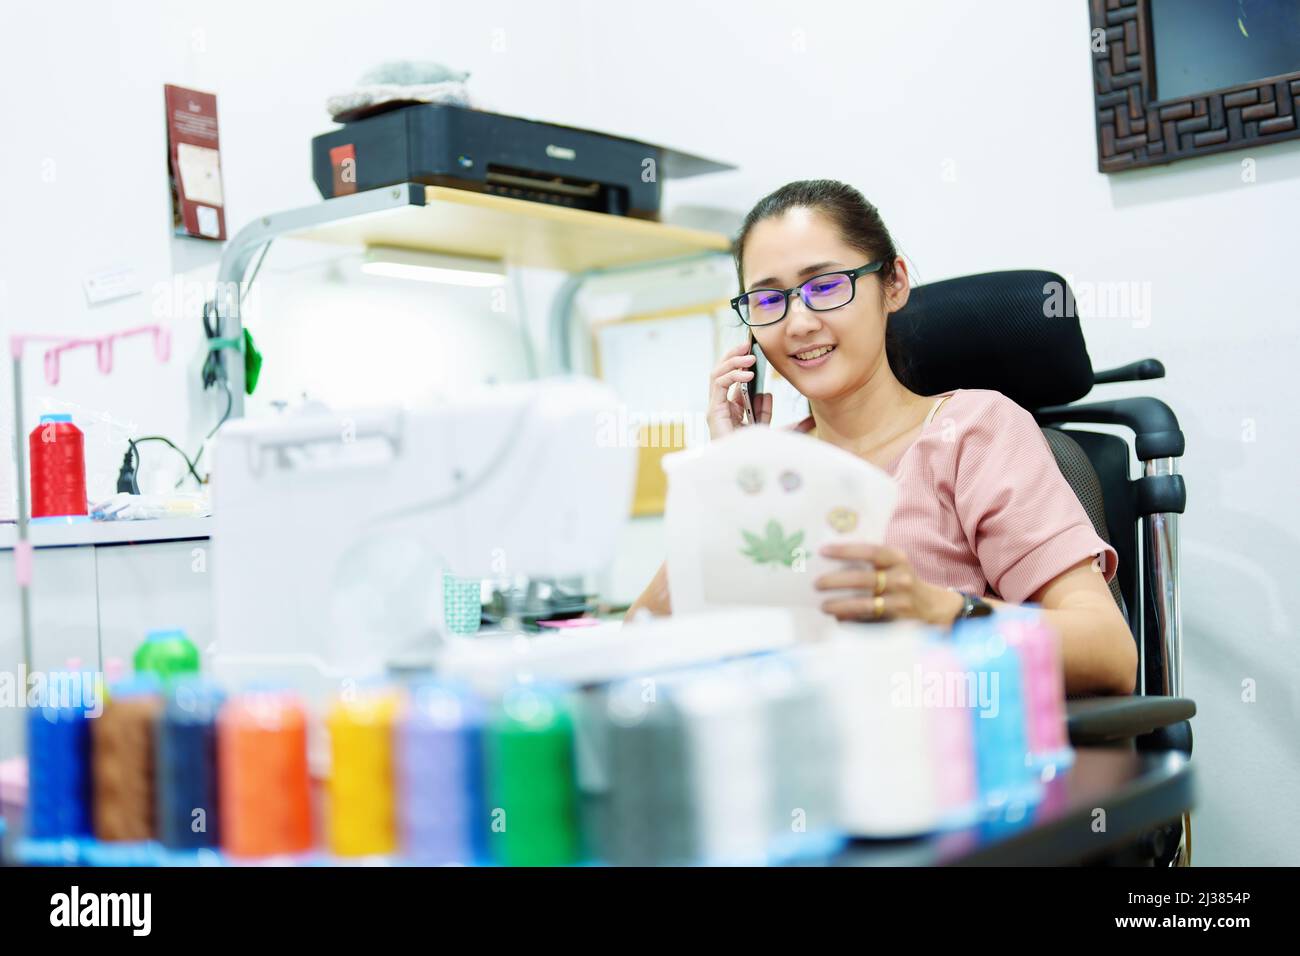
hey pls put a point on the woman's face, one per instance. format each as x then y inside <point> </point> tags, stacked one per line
<point>786,250</point>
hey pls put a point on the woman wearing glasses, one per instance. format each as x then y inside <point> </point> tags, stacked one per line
<point>983,508</point>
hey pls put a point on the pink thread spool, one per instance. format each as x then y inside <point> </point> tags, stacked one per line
<point>952,745</point>
<point>1044,680</point>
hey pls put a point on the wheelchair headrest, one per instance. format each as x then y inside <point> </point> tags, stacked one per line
<point>1015,332</point>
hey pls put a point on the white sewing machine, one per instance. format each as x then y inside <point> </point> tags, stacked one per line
<point>335,530</point>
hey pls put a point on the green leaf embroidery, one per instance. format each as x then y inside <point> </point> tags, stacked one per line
<point>773,547</point>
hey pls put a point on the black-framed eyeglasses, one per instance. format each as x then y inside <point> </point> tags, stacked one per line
<point>821,293</point>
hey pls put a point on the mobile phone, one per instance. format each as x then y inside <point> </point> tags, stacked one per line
<point>754,387</point>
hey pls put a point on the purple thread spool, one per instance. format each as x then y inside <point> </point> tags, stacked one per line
<point>440,776</point>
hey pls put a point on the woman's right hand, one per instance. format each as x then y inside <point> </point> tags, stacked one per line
<point>726,415</point>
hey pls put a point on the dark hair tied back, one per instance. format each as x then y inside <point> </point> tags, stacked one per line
<point>857,220</point>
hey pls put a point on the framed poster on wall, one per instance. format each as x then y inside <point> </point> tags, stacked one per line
<point>658,363</point>
<point>194,161</point>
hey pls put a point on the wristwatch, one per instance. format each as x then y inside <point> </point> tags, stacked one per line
<point>972,606</point>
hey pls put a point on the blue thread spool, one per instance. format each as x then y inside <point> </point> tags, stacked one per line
<point>185,745</point>
<point>439,768</point>
<point>59,781</point>
<point>999,722</point>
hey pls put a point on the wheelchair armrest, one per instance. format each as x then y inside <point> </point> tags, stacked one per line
<point>1154,424</point>
<point>1100,720</point>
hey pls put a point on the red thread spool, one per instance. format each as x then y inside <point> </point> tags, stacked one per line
<point>58,454</point>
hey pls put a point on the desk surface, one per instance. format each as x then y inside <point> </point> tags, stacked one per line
<point>106,532</point>
<point>1137,791</point>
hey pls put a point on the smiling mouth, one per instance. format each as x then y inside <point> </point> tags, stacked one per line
<point>813,353</point>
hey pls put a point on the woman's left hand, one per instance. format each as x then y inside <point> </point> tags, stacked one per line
<point>887,590</point>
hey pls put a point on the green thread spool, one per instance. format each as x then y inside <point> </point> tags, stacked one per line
<point>167,654</point>
<point>533,815</point>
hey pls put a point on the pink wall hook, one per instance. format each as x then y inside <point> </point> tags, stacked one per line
<point>162,343</point>
<point>103,345</point>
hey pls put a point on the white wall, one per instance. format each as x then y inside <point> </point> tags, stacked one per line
<point>973,132</point>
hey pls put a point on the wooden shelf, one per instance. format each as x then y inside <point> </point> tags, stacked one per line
<point>522,233</point>
<point>454,222</point>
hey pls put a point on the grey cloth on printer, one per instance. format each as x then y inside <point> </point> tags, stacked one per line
<point>401,81</point>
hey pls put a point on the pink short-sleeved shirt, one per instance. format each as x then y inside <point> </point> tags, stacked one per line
<point>982,504</point>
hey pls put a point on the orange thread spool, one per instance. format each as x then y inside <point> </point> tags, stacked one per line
<point>265,787</point>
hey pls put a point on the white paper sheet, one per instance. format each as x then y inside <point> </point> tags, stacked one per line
<point>200,173</point>
<point>746,515</point>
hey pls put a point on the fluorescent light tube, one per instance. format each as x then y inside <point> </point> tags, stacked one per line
<point>423,266</point>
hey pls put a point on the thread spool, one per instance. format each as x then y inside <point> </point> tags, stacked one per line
<point>186,759</point>
<point>801,757</point>
<point>58,468</point>
<point>999,725</point>
<point>168,654</point>
<point>952,741</point>
<point>123,762</point>
<point>648,813</point>
<point>440,776</point>
<point>887,778</point>
<point>532,794</point>
<point>1044,683</point>
<point>265,789</point>
<point>59,805</point>
<point>361,819</point>
<point>730,780</point>
<point>591,770</point>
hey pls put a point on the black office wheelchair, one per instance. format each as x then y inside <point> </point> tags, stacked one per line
<point>1018,333</point>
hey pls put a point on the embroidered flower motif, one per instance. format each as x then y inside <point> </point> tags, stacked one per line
<point>773,547</point>
<point>842,520</point>
<point>750,480</point>
<point>790,480</point>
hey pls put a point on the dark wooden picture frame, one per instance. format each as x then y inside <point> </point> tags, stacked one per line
<point>1135,129</point>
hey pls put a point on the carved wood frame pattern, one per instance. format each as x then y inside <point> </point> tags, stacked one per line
<point>1134,129</point>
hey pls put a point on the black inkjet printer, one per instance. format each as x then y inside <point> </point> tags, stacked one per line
<point>443,145</point>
